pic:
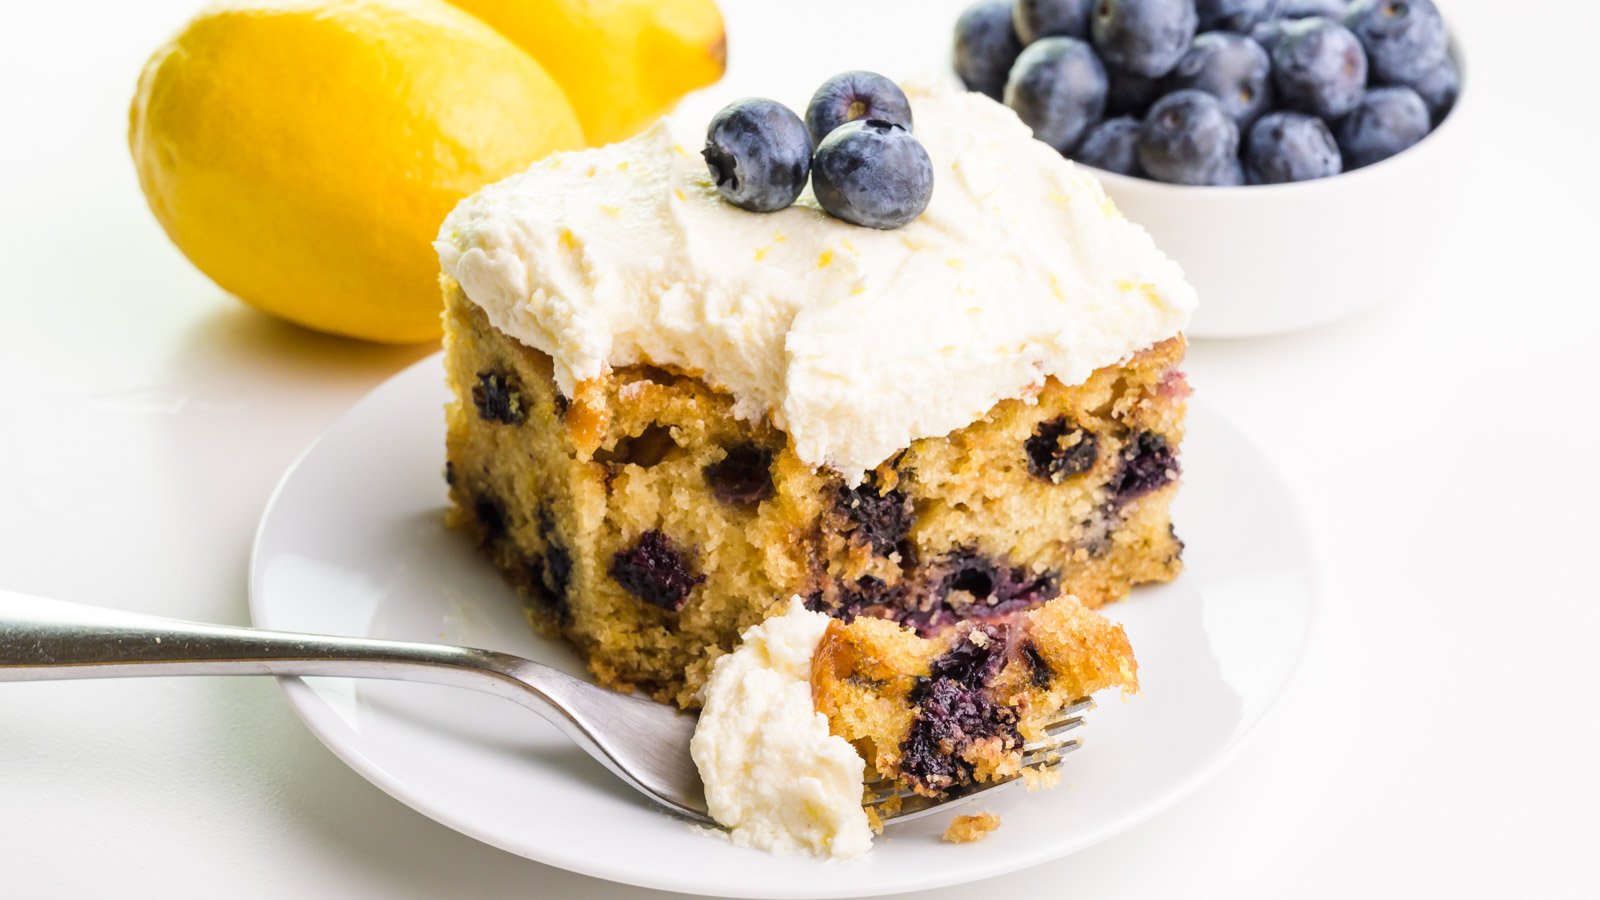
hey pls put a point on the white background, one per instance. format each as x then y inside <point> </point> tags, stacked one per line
<point>1438,743</point>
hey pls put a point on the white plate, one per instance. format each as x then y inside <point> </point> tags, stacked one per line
<point>353,543</point>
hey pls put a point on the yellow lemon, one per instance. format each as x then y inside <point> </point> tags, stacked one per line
<point>302,154</point>
<point>623,63</point>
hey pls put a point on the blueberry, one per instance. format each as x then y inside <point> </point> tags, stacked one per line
<point>1058,448</point>
<point>1058,88</point>
<point>968,583</point>
<point>743,477</point>
<point>974,663</point>
<point>986,46</point>
<point>1035,19</point>
<point>1403,38</point>
<point>1290,146</point>
<point>866,596</point>
<point>873,173</point>
<point>1386,121</point>
<point>556,571</point>
<point>880,519</point>
<point>759,153</point>
<point>1113,145</point>
<point>655,571</point>
<point>1319,68</point>
<point>1236,15</point>
<point>962,585</point>
<point>1130,94</point>
<point>1040,675</point>
<point>1304,9</point>
<point>1148,464</point>
<point>1188,138</point>
<point>553,570</point>
<point>1229,174</point>
<point>1145,37</point>
<point>1438,87</point>
<point>493,521</point>
<point>498,398</point>
<point>856,95</point>
<point>1268,34</point>
<point>1230,67</point>
<point>949,720</point>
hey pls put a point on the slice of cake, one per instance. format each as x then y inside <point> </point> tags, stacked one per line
<point>671,414</point>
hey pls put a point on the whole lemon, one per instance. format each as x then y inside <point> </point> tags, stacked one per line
<point>302,153</point>
<point>623,63</point>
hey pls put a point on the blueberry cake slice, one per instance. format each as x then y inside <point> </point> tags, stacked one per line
<point>941,713</point>
<point>671,415</point>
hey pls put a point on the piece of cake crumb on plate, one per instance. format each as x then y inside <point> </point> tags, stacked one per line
<point>966,829</point>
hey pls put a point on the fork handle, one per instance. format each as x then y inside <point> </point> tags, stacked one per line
<point>47,640</point>
<point>44,640</point>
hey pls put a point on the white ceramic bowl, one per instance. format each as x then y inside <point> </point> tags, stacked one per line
<point>1268,259</point>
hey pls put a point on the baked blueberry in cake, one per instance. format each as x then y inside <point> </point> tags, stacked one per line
<point>673,414</point>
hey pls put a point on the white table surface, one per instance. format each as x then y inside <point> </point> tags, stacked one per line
<point>1439,742</point>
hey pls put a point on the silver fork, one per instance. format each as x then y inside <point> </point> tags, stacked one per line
<point>646,744</point>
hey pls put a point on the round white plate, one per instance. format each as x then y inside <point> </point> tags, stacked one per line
<point>353,543</point>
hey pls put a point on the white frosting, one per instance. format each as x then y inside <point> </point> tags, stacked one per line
<point>854,341</point>
<point>774,775</point>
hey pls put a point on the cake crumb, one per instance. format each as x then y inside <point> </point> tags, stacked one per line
<point>966,829</point>
<point>879,813</point>
<point>1041,778</point>
<point>874,821</point>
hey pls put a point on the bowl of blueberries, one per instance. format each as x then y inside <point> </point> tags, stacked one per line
<point>1261,142</point>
